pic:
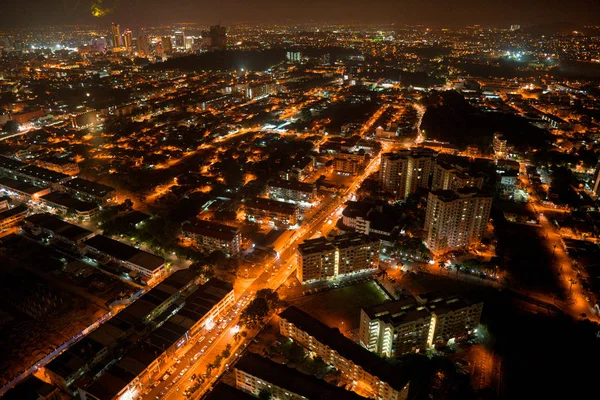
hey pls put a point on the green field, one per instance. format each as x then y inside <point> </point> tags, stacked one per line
<point>341,305</point>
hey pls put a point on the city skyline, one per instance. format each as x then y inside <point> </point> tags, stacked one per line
<point>30,13</point>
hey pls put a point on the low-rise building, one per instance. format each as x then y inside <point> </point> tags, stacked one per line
<point>142,364</point>
<point>58,229</point>
<point>383,380</point>
<point>90,191</point>
<point>22,191</point>
<point>148,265</point>
<point>59,164</point>
<point>293,191</point>
<point>272,212</point>
<point>324,258</point>
<point>42,177</point>
<point>214,236</point>
<point>255,374</point>
<point>65,204</point>
<point>12,217</point>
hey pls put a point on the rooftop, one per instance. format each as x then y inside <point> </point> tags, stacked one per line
<point>292,185</point>
<point>43,174</point>
<point>124,252</point>
<point>89,187</point>
<point>291,379</point>
<point>58,227</point>
<point>19,186</point>
<point>222,391</point>
<point>212,229</point>
<point>63,199</point>
<point>271,205</point>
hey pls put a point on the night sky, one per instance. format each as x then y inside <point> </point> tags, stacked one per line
<point>18,13</point>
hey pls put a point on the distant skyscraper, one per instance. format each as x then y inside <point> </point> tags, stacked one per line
<point>179,40</point>
<point>294,57</point>
<point>189,42</point>
<point>167,44</point>
<point>128,39</point>
<point>456,219</point>
<point>142,44</point>
<point>218,37</point>
<point>403,172</point>
<point>515,27</point>
<point>116,35</point>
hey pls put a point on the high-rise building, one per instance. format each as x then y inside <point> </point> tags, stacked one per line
<point>179,40</point>
<point>128,39</point>
<point>452,177</point>
<point>116,35</point>
<point>218,37</point>
<point>167,44</point>
<point>294,57</point>
<point>456,219</point>
<point>142,44</point>
<point>403,172</point>
<point>189,42</point>
<point>499,145</point>
<point>323,258</point>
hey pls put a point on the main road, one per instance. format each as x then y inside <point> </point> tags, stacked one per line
<point>202,352</point>
<point>576,304</point>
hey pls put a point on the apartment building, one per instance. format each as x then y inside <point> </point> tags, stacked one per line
<point>396,328</point>
<point>411,325</point>
<point>292,191</point>
<point>272,212</point>
<point>255,374</point>
<point>214,236</point>
<point>447,176</point>
<point>348,163</point>
<point>405,171</point>
<point>323,258</point>
<point>383,380</point>
<point>456,219</point>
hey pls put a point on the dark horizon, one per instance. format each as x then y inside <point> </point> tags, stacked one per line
<point>31,13</point>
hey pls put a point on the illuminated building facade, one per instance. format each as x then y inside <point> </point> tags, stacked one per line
<point>323,258</point>
<point>272,212</point>
<point>416,324</point>
<point>456,219</point>
<point>214,236</point>
<point>403,172</point>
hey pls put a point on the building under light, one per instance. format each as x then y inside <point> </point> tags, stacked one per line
<point>456,219</point>
<point>323,258</point>
<point>403,172</point>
